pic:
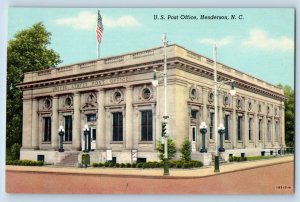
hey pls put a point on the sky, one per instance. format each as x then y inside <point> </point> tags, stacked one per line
<point>260,44</point>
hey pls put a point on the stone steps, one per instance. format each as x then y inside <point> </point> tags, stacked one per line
<point>70,160</point>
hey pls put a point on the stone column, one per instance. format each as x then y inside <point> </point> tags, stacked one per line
<point>34,129</point>
<point>234,126</point>
<point>265,124</point>
<point>54,124</point>
<point>27,116</point>
<point>76,123</point>
<point>282,123</point>
<point>255,130</point>
<point>157,116</point>
<point>205,114</point>
<point>273,131</point>
<point>246,130</point>
<point>100,141</point>
<point>128,127</point>
<point>246,125</point>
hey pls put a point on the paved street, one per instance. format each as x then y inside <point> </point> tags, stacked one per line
<point>273,176</point>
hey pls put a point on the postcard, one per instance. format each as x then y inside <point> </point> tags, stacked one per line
<point>146,100</point>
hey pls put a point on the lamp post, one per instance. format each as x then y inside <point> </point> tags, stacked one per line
<point>165,117</point>
<point>61,132</point>
<point>217,86</point>
<point>221,131</point>
<point>203,130</point>
<point>86,133</point>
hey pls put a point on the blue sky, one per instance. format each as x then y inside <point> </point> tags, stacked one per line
<point>262,44</point>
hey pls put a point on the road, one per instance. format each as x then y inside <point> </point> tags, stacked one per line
<point>268,179</point>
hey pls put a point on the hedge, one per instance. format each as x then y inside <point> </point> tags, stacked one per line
<point>151,164</point>
<point>249,158</point>
<point>24,163</point>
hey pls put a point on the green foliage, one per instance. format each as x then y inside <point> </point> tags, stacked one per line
<point>24,163</point>
<point>85,159</point>
<point>171,149</point>
<point>237,158</point>
<point>15,152</point>
<point>27,51</point>
<point>152,164</point>
<point>289,106</point>
<point>185,150</point>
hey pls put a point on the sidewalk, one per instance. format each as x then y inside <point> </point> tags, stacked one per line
<point>157,172</point>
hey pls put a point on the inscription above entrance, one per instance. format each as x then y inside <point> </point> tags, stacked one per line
<point>88,84</point>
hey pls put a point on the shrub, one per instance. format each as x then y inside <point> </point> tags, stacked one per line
<point>171,149</point>
<point>117,165</point>
<point>122,165</point>
<point>106,164</point>
<point>85,159</point>
<point>133,165</point>
<point>145,165</point>
<point>95,165</point>
<point>15,151</point>
<point>179,165</point>
<point>111,164</point>
<point>24,162</point>
<point>128,165</point>
<point>185,150</point>
<point>139,165</point>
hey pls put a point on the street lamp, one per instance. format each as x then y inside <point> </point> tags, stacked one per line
<point>165,117</point>
<point>217,86</point>
<point>221,130</point>
<point>203,130</point>
<point>86,133</point>
<point>61,132</point>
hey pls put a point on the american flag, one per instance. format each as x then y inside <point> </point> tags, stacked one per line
<point>99,28</point>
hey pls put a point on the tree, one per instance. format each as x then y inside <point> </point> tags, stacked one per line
<point>186,150</point>
<point>171,149</point>
<point>289,106</point>
<point>27,51</point>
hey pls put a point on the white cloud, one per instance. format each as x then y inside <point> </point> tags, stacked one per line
<point>219,42</point>
<point>260,39</point>
<point>124,21</point>
<point>87,21</point>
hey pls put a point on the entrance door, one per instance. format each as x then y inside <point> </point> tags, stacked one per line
<point>194,138</point>
<point>91,139</point>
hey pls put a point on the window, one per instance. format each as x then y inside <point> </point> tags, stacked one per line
<point>269,131</point>
<point>94,136</point>
<point>211,124</point>
<point>68,128</point>
<point>117,96</point>
<point>259,129</point>
<point>250,128</point>
<point>146,93</point>
<point>194,134</point>
<point>194,114</point>
<point>226,124</point>
<point>91,117</point>
<point>47,129</point>
<point>117,126</point>
<point>146,125</point>
<point>239,128</point>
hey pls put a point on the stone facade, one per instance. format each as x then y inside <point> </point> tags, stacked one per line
<point>119,88</point>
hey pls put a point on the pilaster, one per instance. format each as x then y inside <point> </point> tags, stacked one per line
<point>34,128</point>
<point>100,142</point>
<point>54,126</point>
<point>76,124</point>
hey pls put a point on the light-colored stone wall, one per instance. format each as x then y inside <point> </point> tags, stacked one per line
<point>129,74</point>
